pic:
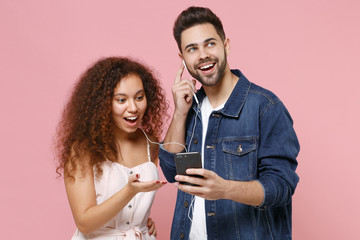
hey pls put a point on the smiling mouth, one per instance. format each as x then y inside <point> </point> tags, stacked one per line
<point>207,67</point>
<point>131,119</point>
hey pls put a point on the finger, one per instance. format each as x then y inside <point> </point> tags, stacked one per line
<point>193,190</point>
<point>149,186</point>
<point>154,233</point>
<point>179,73</point>
<point>189,179</point>
<point>194,84</point>
<point>149,222</point>
<point>185,88</point>
<point>198,171</point>
<point>134,178</point>
<point>151,229</point>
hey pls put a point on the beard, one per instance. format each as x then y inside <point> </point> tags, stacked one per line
<point>213,79</point>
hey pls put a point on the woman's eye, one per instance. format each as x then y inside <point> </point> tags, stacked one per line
<point>140,98</point>
<point>121,100</point>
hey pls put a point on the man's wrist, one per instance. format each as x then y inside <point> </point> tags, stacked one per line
<point>180,114</point>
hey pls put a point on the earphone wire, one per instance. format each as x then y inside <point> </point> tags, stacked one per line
<point>192,134</point>
<point>196,111</point>
<point>162,144</point>
<point>191,208</point>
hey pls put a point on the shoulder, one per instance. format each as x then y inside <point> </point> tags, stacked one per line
<point>268,102</point>
<point>263,94</point>
<point>79,163</point>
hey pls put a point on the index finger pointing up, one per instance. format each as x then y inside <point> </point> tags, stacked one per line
<point>179,73</point>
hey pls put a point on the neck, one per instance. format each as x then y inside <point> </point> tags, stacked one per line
<point>121,136</point>
<point>219,93</point>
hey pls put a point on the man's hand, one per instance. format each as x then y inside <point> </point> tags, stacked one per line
<point>211,186</point>
<point>182,90</point>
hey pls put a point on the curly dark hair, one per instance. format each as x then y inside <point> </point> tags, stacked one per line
<point>193,16</point>
<point>87,127</point>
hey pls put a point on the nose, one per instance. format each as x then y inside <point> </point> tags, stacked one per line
<point>132,107</point>
<point>203,54</point>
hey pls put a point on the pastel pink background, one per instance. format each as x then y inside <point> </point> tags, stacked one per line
<point>307,52</point>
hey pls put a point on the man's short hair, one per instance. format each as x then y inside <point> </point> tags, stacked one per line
<point>194,16</point>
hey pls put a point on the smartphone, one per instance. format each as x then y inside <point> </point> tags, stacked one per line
<point>187,160</point>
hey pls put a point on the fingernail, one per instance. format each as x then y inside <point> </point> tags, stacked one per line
<point>164,182</point>
<point>138,175</point>
<point>157,181</point>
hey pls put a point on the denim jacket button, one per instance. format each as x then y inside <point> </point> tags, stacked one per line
<point>186,204</point>
<point>182,236</point>
<point>195,141</point>
<point>210,214</point>
<point>239,149</point>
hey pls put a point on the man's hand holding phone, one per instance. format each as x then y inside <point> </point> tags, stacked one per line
<point>184,161</point>
<point>209,185</point>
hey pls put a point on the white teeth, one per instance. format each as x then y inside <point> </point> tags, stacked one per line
<point>207,66</point>
<point>132,118</point>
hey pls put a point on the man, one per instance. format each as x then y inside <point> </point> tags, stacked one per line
<point>244,134</point>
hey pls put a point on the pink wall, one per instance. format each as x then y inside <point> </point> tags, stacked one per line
<point>306,52</point>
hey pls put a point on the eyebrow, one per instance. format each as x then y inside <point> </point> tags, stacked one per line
<point>197,44</point>
<point>123,94</point>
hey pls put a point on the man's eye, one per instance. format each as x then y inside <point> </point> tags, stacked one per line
<point>210,44</point>
<point>192,49</point>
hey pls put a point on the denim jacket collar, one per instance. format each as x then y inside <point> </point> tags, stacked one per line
<point>237,98</point>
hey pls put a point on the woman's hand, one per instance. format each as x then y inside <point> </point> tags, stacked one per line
<point>137,186</point>
<point>152,228</point>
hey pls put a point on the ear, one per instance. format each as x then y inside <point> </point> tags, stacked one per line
<point>227,46</point>
<point>181,56</point>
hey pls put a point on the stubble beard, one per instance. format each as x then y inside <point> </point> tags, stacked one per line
<point>216,77</point>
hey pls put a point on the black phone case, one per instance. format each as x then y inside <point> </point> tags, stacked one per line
<point>184,161</point>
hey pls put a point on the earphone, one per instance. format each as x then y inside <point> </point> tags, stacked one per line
<point>185,66</point>
<point>198,104</point>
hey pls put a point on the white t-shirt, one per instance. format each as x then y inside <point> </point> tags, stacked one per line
<point>198,226</point>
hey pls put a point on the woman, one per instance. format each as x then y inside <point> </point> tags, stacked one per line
<point>105,155</point>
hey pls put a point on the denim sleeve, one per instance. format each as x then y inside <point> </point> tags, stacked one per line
<point>278,149</point>
<point>167,164</point>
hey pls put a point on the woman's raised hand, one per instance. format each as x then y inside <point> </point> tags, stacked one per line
<point>140,186</point>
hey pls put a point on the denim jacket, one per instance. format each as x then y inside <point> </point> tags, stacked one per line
<point>250,138</point>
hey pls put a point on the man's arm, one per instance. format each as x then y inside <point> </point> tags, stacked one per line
<point>174,141</point>
<point>182,91</point>
<point>213,187</point>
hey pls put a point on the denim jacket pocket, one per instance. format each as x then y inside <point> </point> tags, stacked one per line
<point>240,158</point>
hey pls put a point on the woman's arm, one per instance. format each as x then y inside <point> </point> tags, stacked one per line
<point>81,194</point>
